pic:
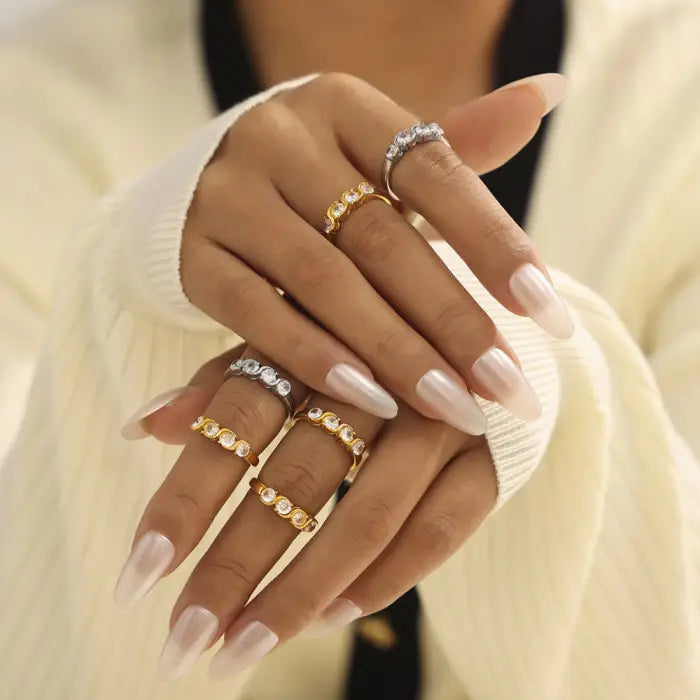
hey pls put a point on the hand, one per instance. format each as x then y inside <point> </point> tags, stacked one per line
<point>379,302</point>
<point>424,489</point>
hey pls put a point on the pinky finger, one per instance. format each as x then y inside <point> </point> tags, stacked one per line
<point>452,509</point>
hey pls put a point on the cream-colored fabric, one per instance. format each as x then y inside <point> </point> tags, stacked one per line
<point>582,585</point>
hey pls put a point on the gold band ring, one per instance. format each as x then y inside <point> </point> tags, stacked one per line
<point>345,434</point>
<point>226,438</point>
<point>350,199</point>
<point>299,518</point>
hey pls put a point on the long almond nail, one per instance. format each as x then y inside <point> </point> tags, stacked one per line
<point>339,613</point>
<point>451,402</point>
<point>495,371</point>
<point>246,648</point>
<point>148,561</point>
<point>549,86</point>
<point>133,429</point>
<point>188,639</point>
<point>351,386</point>
<point>543,305</point>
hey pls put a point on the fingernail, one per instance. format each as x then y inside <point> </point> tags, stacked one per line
<point>147,562</point>
<point>339,613</point>
<point>243,650</point>
<point>543,305</point>
<point>451,402</point>
<point>351,386</point>
<point>188,639</point>
<point>549,86</point>
<point>133,428</point>
<point>495,371</point>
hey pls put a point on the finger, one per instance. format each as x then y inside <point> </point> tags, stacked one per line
<point>401,467</point>
<point>306,468</point>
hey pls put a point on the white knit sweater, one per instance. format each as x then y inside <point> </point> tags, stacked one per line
<point>584,585</point>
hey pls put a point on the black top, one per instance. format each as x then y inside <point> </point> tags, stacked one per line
<point>385,658</point>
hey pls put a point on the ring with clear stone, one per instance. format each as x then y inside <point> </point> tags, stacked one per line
<point>298,517</point>
<point>402,143</point>
<point>345,434</point>
<point>226,438</point>
<point>350,200</point>
<point>268,376</point>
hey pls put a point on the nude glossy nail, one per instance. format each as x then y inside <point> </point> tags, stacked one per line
<point>148,561</point>
<point>188,639</point>
<point>352,386</point>
<point>451,402</point>
<point>542,304</point>
<point>133,428</point>
<point>549,86</point>
<point>339,613</point>
<point>246,648</point>
<point>495,371</point>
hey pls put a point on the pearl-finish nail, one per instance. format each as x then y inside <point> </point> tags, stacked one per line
<point>188,640</point>
<point>246,648</point>
<point>148,561</point>
<point>133,428</point>
<point>339,613</point>
<point>350,385</point>
<point>549,86</point>
<point>451,402</point>
<point>495,371</point>
<point>542,304</point>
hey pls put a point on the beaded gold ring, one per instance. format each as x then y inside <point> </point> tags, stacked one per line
<point>298,517</point>
<point>350,200</point>
<point>226,438</point>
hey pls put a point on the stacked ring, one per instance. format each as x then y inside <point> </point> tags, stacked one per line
<point>268,376</point>
<point>344,433</point>
<point>298,517</point>
<point>226,438</point>
<point>402,143</point>
<point>350,199</point>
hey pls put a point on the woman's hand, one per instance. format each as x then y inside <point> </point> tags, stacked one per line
<point>379,303</point>
<point>423,490</point>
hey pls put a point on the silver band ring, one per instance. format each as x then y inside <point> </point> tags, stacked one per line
<point>267,376</point>
<point>402,143</point>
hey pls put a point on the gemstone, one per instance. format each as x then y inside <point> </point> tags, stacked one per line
<point>251,366</point>
<point>346,434</point>
<point>227,439</point>
<point>283,506</point>
<point>351,196</point>
<point>327,225</point>
<point>311,526</point>
<point>422,131</point>
<point>366,188</point>
<point>268,376</point>
<point>358,448</point>
<point>331,422</point>
<point>242,448</point>
<point>236,366</point>
<point>338,209</point>
<point>284,387</point>
<point>392,152</point>
<point>403,138</point>
<point>315,413</point>
<point>197,422</point>
<point>268,495</point>
<point>299,518</point>
<point>211,429</point>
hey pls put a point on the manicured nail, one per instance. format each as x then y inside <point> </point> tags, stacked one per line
<point>549,86</point>
<point>351,386</point>
<point>133,428</point>
<point>188,639</point>
<point>147,562</point>
<point>495,371</point>
<point>451,402</point>
<point>543,305</point>
<point>246,648</point>
<point>339,613</point>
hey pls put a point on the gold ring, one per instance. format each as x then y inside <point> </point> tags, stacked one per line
<point>345,434</point>
<point>284,507</point>
<point>226,438</point>
<point>350,199</point>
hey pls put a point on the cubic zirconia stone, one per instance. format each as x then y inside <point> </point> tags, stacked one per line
<point>331,422</point>
<point>211,429</point>
<point>351,197</point>
<point>227,440</point>
<point>347,434</point>
<point>268,376</point>
<point>403,138</point>
<point>197,423</point>
<point>268,495</point>
<point>283,506</point>
<point>299,518</point>
<point>283,387</point>
<point>392,152</point>
<point>327,225</point>
<point>366,188</point>
<point>251,366</point>
<point>358,448</point>
<point>242,449</point>
<point>311,526</point>
<point>236,366</point>
<point>314,413</point>
<point>338,209</point>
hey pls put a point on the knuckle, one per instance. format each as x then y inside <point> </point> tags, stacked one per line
<point>233,570</point>
<point>241,407</point>
<point>500,230</point>
<point>373,233</point>
<point>371,527</point>
<point>439,535</point>
<point>445,167</point>
<point>186,505</point>
<point>300,607</point>
<point>464,326</point>
<point>339,84</point>
<point>258,124</point>
<point>297,478</point>
<point>319,269</point>
<point>244,294</point>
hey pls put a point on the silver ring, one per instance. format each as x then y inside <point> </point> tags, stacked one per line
<point>402,143</point>
<point>267,376</point>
